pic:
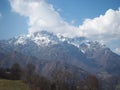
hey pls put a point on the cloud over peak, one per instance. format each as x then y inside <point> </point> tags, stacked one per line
<point>42,16</point>
<point>117,50</point>
<point>104,27</point>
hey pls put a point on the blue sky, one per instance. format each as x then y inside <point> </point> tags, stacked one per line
<point>90,18</point>
<point>11,24</point>
<point>80,9</point>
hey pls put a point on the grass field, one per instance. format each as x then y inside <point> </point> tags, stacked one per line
<point>12,85</point>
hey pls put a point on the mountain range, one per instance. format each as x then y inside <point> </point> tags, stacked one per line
<point>48,51</point>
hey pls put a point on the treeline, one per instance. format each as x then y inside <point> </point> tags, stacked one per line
<point>13,73</point>
<point>60,80</point>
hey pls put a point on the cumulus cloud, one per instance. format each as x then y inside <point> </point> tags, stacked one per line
<point>117,50</point>
<point>42,16</point>
<point>105,27</point>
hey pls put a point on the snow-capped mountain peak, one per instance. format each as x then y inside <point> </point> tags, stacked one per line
<point>44,38</point>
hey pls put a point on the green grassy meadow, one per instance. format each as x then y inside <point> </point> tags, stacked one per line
<point>12,85</point>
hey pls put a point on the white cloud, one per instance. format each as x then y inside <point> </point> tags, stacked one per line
<point>117,50</point>
<point>59,10</point>
<point>42,16</point>
<point>105,27</point>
